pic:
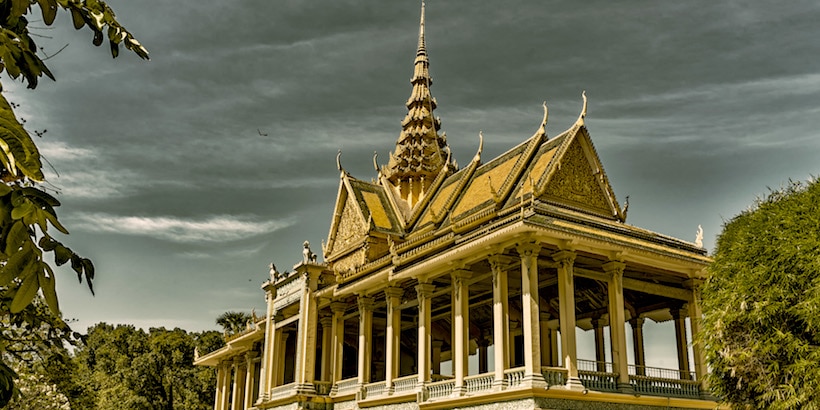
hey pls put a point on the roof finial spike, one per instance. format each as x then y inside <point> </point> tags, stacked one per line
<point>339,161</point>
<point>477,157</point>
<point>375,163</point>
<point>583,109</point>
<point>422,44</point>
<point>542,129</point>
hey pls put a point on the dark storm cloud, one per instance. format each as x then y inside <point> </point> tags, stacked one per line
<point>170,185</point>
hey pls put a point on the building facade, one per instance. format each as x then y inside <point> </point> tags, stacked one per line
<point>445,287</point>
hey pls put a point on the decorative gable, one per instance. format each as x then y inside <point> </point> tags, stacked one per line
<point>349,226</point>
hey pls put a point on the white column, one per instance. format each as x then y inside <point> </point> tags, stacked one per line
<point>337,331</point>
<point>225,402</point>
<point>266,378</point>
<point>238,385</point>
<point>365,338</point>
<point>249,378</point>
<point>424,291</point>
<point>306,334</point>
<point>566,296</point>
<point>637,345</point>
<point>600,349</point>
<point>530,314</point>
<point>617,334</point>
<point>461,328</point>
<point>695,317</point>
<point>326,322</point>
<point>683,347</point>
<point>220,384</point>
<point>392,339</point>
<point>501,320</point>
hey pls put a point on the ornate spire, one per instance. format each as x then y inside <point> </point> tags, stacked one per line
<point>420,152</point>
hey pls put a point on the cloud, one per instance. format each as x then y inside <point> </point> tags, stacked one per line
<point>183,230</point>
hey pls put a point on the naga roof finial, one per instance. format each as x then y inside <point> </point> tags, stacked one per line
<point>480,146</point>
<point>339,161</point>
<point>375,163</point>
<point>583,109</point>
<point>542,129</point>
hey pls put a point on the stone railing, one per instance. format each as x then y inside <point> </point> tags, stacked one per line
<point>479,382</point>
<point>347,386</point>
<point>279,392</point>
<point>514,376</point>
<point>406,383</point>
<point>375,389</point>
<point>597,375</point>
<point>554,376</point>
<point>440,389</point>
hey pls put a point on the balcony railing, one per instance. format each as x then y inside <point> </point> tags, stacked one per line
<point>440,389</point>
<point>279,392</point>
<point>654,381</point>
<point>375,389</point>
<point>479,382</point>
<point>597,375</point>
<point>554,376</point>
<point>514,376</point>
<point>347,386</point>
<point>323,388</point>
<point>406,383</point>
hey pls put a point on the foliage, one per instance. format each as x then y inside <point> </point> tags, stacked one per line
<point>761,303</point>
<point>26,210</point>
<point>125,367</point>
<point>234,322</point>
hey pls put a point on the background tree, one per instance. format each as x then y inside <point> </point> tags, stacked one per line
<point>26,210</point>
<point>234,322</point>
<point>761,303</point>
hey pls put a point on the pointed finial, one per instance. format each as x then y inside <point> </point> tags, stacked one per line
<point>375,163</point>
<point>480,146</point>
<point>339,161</point>
<point>583,109</point>
<point>626,207</point>
<point>699,237</point>
<point>422,45</point>
<point>542,129</point>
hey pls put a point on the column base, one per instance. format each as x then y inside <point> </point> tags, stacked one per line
<point>305,389</point>
<point>625,388</point>
<point>574,384</point>
<point>499,385</point>
<point>422,395</point>
<point>459,391</point>
<point>535,381</point>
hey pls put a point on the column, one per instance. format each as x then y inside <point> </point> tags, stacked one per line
<point>546,337</point>
<point>637,345</point>
<point>695,316</point>
<point>225,397</point>
<point>326,321</point>
<point>338,332</point>
<point>461,328</point>
<point>279,361</point>
<point>249,379</point>
<point>501,319</point>
<point>436,359</point>
<point>530,314</point>
<point>365,338</point>
<point>266,378</point>
<point>238,394</point>
<point>566,296</point>
<point>617,322</point>
<point>600,349</point>
<point>306,334</point>
<point>483,344</point>
<point>553,344</point>
<point>680,337</point>
<point>220,384</point>
<point>424,291</point>
<point>392,339</point>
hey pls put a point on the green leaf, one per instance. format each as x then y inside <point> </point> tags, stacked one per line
<point>54,222</point>
<point>48,284</point>
<point>19,212</point>
<point>49,9</point>
<point>4,189</point>
<point>62,255</point>
<point>28,289</point>
<point>15,265</point>
<point>40,194</point>
<point>17,235</point>
<point>77,19</point>
<point>47,243</point>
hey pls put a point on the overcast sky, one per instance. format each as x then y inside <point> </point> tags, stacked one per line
<point>185,176</point>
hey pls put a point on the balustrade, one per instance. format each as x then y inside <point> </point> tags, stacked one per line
<point>406,383</point>
<point>440,389</point>
<point>347,386</point>
<point>554,376</point>
<point>479,382</point>
<point>514,376</point>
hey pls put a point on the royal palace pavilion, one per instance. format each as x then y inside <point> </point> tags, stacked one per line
<point>443,287</point>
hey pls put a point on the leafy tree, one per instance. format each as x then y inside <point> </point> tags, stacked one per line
<point>233,322</point>
<point>762,303</point>
<point>26,210</point>
<point>126,367</point>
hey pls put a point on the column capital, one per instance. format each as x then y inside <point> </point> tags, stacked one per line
<point>393,292</point>
<point>564,257</point>
<point>599,322</point>
<point>528,249</point>
<point>338,307</point>
<point>250,354</point>
<point>425,291</point>
<point>239,361</point>
<point>365,303</point>
<point>544,316</point>
<point>678,313</point>
<point>499,262</point>
<point>637,322</point>
<point>326,321</point>
<point>460,275</point>
<point>614,267</point>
